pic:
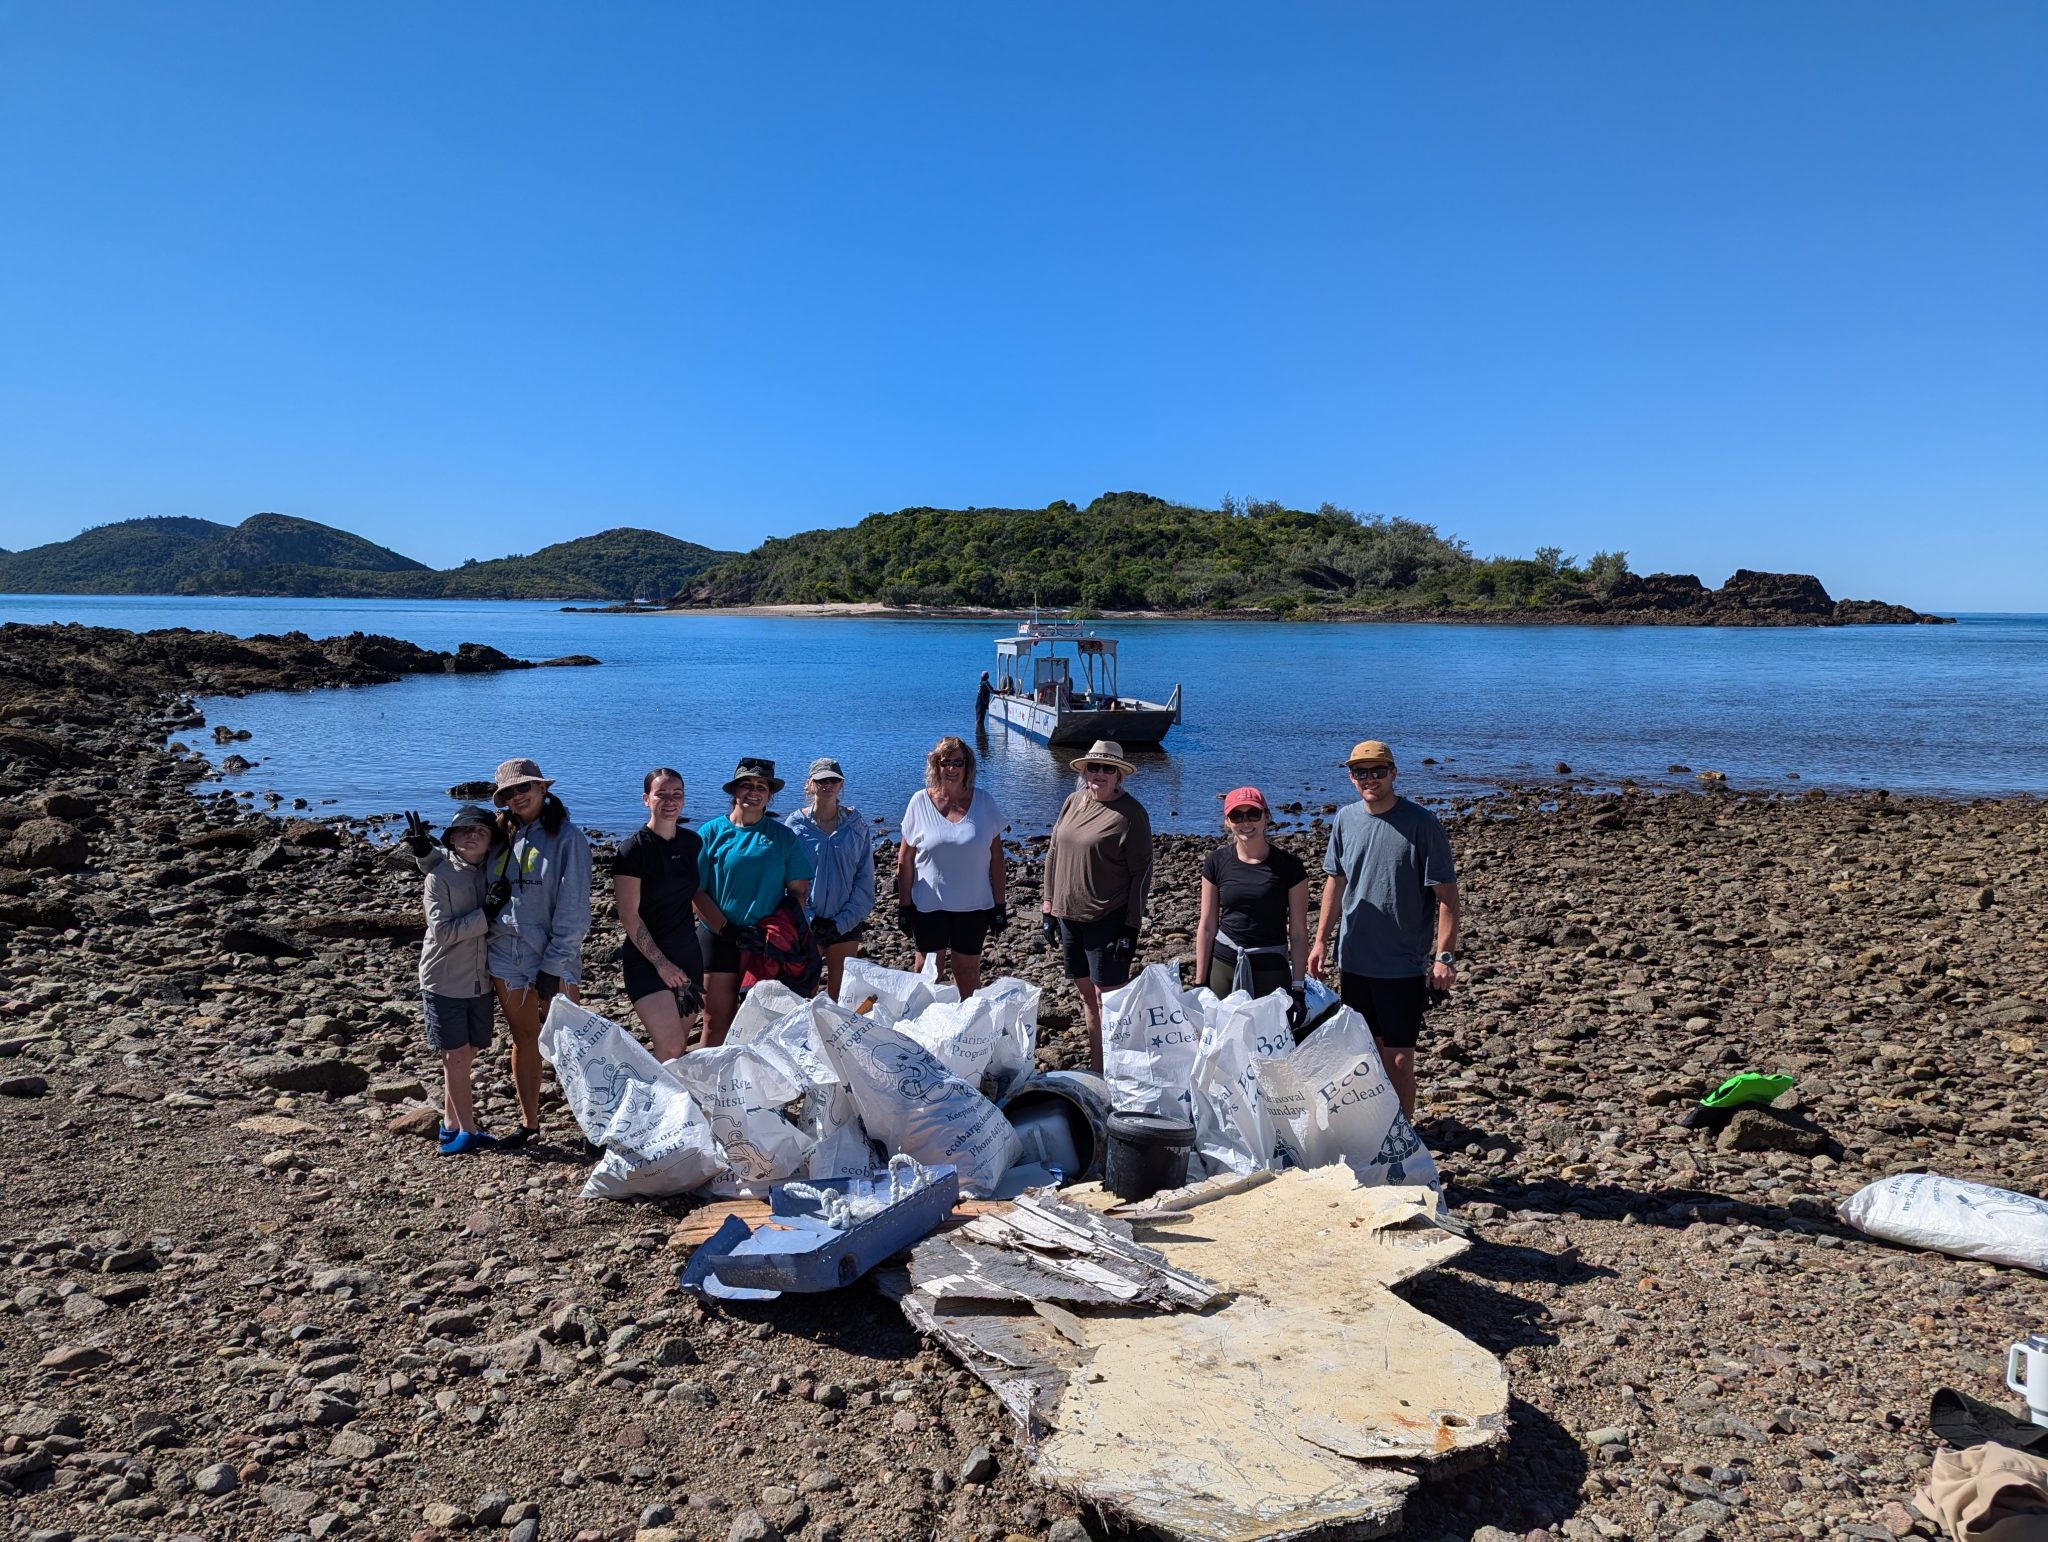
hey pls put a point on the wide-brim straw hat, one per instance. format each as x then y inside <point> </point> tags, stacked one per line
<point>1105,752</point>
<point>517,773</point>
<point>753,768</point>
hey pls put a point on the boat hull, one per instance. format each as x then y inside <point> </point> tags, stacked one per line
<point>1146,724</point>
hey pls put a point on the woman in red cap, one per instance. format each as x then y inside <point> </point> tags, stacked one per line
<point>1253,931</point>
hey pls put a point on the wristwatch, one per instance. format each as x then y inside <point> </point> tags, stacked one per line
<point>1447,958</point>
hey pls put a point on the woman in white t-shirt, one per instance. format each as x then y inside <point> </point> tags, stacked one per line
<point>950,879</point>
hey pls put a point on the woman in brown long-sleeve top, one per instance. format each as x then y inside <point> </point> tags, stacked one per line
<point>1098,870</point>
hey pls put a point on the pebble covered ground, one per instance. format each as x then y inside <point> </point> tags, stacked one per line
<point>241,1295</point>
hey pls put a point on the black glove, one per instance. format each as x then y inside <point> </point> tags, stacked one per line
<point>824,932</point>
<point>998,918</point>
<point>689,1000</point>
<point>1297,1008</point>
<point>906,920</point>
<point>419,840</point>
<point>742,936</point>
<point>1055,939</point>
<point>1123,947</point>
<point>497,895</point>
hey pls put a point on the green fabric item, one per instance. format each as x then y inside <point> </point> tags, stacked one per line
<point>1746,1087</point>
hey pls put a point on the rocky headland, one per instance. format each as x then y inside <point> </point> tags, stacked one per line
<point>243,1296</point>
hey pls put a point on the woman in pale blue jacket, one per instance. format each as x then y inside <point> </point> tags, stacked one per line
<point>842,849</point>
<point>543,874</point>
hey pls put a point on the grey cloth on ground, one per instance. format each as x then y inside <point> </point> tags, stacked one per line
<point>1388,863</point>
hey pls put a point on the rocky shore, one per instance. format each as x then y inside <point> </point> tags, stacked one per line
<point>1749,598</point>
<point>243,1296</point>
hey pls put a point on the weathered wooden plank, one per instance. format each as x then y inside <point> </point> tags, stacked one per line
<point>1277,1416</point>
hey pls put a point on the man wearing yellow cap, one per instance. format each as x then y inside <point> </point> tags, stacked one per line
<point>1391,879</point>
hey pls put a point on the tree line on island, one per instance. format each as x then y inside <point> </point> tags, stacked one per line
<point>1125,551</point>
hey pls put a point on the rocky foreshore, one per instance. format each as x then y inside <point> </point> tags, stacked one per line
<point>1748,599</point>
<point>245,1297</point>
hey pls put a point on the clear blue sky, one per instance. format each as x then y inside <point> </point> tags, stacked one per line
<point>1720,284</point>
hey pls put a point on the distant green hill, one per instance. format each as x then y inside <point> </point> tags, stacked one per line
<point>1125,551</point>
<point>136,556</point>
<point>279,541</point>
<point>275,554</point>
<point>620,564</point>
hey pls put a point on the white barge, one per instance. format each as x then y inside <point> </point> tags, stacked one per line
<point>1056,681</point>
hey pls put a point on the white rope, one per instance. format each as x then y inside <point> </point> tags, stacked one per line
<point>906,1176</point>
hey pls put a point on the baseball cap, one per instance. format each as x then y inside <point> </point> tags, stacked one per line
<point>1243,797</point>
<point>1369,752</point>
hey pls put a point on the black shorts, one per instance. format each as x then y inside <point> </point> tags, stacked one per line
<point>857,935</point>
<point>950,931</point>
<point>1392,1009</point>
<point>644,980</point>
<point>720,955</point>
<point>1085,943</point>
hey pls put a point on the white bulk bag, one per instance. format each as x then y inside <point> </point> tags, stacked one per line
<point>888,995</point>
<point>827,1115</point>
<point>1331,1101</point>
<point>963,1035</point>
<point>1234,1132</point>
<point>909,1101</point>
<point>1150,1031</point>
<point>743,1092</point>
<point>1015,1061</point>
<point>1952,1215</point>
<point>658,1141</point>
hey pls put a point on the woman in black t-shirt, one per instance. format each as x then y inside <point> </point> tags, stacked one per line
<point>1253,931</point>
<point>654,880</point>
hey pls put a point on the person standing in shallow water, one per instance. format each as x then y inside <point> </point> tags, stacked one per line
<point>536,948</point>
<point>1391,878</point>
<point>654,881</point>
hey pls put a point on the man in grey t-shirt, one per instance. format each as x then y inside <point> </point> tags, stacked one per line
<point>1391,879</point>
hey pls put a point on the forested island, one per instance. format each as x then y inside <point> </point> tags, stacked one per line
<point>1126,552</point>
<point>276,554</point>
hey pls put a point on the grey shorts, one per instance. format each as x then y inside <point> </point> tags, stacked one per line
<point>455,1022</point>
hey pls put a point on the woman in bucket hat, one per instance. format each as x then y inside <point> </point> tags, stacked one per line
<point>750,859</point>
<point>1253,932</point>
<point>542,877</point>
<point>951,884</point>
<point>842,850</point>
<point>1098,870</point>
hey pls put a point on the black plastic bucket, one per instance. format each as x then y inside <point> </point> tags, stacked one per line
<point>1147,1153</point>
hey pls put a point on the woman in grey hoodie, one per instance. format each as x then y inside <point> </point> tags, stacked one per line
<point>536,950</point>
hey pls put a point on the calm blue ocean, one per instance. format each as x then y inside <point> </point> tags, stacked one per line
<point>1959,710</point>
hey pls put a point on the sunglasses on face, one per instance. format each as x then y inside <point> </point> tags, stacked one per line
<point>1244,816</point>
<point>1370,773</point>
<point>956,764</point>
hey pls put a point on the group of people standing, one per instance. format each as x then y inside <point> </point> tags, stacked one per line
<point>752,895</point>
